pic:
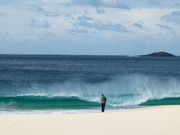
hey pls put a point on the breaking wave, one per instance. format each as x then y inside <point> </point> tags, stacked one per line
<point>125,90</point>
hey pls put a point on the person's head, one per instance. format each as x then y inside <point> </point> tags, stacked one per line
<point>102,95</point>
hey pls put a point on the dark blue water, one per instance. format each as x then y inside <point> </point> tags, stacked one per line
<point>62,82</point>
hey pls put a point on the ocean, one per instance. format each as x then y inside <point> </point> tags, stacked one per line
<point>74,83</point>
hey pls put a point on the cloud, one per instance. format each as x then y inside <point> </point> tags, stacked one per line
<point>138,25</point>
<point>81,18</point>
<point>164,27</point>
<point>43,34</point>
<point>2,14</point>
<point>176,13</point>
<point>174,17</point>
<point>122,4</point>
<point>6,1</point>
<point>39,24</point>
<point>159,3</point>
<point>51,14</point>
<point>49,34</point>
<point>56,1</point>
<point>35,2</point>
<point>89,22</point>
<point>110,27</point>
<point>83,21</point>
<point>100,11</point>
<point>103,3</point>
<point>154,2</point>
<point>37,9</point>
<point>128,4</point>
<point>41,10</point>
<point>177,4</point>
<point>20,2</point>
<point>74,31</point>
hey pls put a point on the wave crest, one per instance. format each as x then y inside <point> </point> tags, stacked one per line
<point>125,90</point>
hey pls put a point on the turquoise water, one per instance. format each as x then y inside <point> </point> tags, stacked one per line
<point>62,83</point>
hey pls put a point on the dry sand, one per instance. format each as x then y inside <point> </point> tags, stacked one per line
<point>161,120</point>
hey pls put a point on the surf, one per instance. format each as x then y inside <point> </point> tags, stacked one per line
<point>44,102</point>
<point>121,91</point>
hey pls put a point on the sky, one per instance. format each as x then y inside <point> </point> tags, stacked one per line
<point>89,27</point>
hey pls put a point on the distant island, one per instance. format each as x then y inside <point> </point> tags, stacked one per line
<point>158,54</point>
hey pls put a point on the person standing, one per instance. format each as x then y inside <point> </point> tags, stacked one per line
<point>103,102</point>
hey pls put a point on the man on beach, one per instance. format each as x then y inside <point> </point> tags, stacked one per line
<point>103,102</point>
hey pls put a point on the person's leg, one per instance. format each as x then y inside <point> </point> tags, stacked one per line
<point>103,106</point>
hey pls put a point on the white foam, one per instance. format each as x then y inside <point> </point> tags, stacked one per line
<point>146,87</point>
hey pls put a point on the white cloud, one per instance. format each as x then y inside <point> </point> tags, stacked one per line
<point>90,23</point>
<point>122,4</point>
<point>84,18</point>
<point>129,4</point>
<point>56,1</point>
<point>174,17</point>
<point>138,25</point>
<point>36,8</point>
<point>101,11</point>
<point>119,23</point>
<point>103,3</point>
<point>2,14</point>
<point>51,14</point>
<point>154,2</point>
<point>164,27</point>
<point>39,24</point>
<point>20,2</point>
<point>76,31</point>
<point>48,34</point>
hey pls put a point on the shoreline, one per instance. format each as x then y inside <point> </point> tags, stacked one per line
<point>65,111</point>
<point>156,120</point>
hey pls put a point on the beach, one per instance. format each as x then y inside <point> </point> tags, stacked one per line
<point>159,120</point>
<point>60,95</point>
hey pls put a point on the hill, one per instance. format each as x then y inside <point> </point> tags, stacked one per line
<point>159,54</point>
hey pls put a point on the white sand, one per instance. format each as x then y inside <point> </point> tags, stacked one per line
<point>162,120</point>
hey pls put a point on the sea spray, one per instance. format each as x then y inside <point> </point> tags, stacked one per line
<point>125,90</point>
